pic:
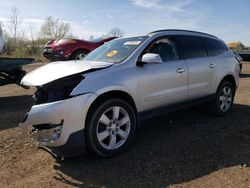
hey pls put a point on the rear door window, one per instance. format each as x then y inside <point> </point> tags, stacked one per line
<point>193,47</point>
<point>214,47</point>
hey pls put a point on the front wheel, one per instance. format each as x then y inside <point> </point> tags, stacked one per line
<point>79,55</point>
<point>111,127</point>
<point>223,101</point>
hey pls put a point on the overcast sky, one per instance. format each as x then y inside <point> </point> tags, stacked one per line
<point>228,19</point>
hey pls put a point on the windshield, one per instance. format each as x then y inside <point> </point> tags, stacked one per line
<point>115,51</point>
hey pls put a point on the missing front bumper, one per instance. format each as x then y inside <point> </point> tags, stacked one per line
<point>72,111</point>
<point>49,132</point>
<point>75,145</point>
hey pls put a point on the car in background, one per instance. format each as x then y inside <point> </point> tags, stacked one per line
<point>71,49</point>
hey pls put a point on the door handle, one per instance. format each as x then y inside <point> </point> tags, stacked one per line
<point>180,70</point>
<point>212,66</point>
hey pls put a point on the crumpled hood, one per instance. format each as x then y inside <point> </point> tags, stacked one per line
<point>59,69</point>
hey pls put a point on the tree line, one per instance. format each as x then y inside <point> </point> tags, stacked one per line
<point>20,43</point>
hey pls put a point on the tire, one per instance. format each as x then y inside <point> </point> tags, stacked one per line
<point>79,55</point>
<point>106,134</point>
<point>224,98</point>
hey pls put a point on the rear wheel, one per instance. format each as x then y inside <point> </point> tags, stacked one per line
<point>111,127</point>
<point>79,55</point>
<point>223,101</point>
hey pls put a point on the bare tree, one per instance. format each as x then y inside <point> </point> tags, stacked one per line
<point>91,37</point>
<point>1,30</point>
<point>31,28</point>
<point>14,23</point>
<point>1,38</point>
<point>53,28</point>
<point>115,32</point>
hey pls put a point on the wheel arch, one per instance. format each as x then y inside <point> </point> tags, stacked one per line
<point>78,49</point>
<point>230,78</point>
<point>90,140</point>
<point>112,94</point>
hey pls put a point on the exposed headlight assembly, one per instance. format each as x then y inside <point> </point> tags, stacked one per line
<point>57,90</point>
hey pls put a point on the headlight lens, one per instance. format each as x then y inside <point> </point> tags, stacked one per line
<point>57,90</point>
<point>59,52</point>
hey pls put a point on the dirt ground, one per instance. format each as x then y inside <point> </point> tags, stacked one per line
<point>188,148</point>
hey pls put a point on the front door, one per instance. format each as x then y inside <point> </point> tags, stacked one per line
<point>165,83</point>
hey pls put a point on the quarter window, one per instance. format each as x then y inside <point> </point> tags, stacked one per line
<point>214,47</point>
<point>193,47</point>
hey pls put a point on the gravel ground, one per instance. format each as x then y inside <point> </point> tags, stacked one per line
<point>188,148</point>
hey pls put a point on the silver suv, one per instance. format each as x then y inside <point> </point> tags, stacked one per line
<point>97,103</point>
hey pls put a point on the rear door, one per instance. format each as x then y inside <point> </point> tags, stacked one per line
<point>201,68</point>
<point>162,84</point>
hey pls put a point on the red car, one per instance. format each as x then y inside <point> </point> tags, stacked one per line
<point>71,49</point>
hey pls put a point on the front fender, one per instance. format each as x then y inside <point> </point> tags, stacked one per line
<point>101,90</point>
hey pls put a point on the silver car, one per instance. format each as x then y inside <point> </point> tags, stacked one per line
<point>97,103</point>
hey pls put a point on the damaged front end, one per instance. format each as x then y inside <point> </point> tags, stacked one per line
<point>57,90</point>
<point>54,91</point>
<point>56,120</point>
<point>47,132</point>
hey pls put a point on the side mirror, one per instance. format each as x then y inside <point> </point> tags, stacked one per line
<point>150,58</point>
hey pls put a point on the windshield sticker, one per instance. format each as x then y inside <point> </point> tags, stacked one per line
<point>134,43</point>
<point>112,53</point>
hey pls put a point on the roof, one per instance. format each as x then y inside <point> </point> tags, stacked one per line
<point>181,30</point>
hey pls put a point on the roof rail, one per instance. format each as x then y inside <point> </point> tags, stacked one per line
<point>181,30</point>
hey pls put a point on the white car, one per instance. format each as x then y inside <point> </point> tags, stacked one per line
<point>97,103</point>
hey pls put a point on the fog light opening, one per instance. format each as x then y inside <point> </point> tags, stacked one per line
<point>57,133</point>
<point>49,132</point>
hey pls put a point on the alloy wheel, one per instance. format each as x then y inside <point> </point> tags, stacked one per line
<point>113,128</point>
<point>226,98</point>
<point>80,56</point>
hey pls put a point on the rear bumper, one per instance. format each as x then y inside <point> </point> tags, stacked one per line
<point>59,125</point>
